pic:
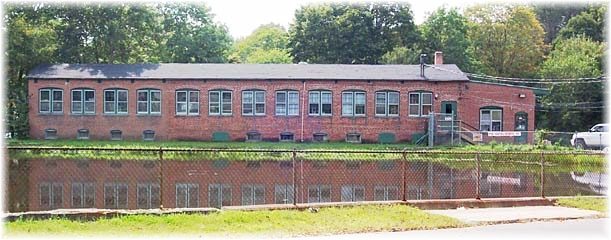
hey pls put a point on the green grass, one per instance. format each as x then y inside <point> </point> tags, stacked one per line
<point>281,222</point>
<point>596,204</point>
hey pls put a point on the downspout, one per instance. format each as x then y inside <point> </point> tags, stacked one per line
<point>303,109</point>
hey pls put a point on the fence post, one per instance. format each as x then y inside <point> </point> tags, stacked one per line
<point>404,176</point>
<point>542,175</point>
<point>294,178</point>
<point>160,178</point>
<point>478,176</point>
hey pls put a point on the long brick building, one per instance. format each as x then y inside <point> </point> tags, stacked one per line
<point>293,102</point>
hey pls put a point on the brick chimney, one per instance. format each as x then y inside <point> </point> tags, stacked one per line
<point>438,58</point>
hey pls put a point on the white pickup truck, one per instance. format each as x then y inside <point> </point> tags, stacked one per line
<point>597,137</point>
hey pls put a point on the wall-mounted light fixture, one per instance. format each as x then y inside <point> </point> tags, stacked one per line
<point>436,95</point>
<point>522,95</point>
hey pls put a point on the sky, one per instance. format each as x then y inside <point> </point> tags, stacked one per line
<point>242,17</point>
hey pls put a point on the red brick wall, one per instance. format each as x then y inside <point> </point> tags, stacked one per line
<point>470,97</point>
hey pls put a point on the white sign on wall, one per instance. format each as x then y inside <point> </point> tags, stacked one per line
<point>505,134</point>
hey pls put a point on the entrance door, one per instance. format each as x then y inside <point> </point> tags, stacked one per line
<point>521,125</point>
<point>449,107</point>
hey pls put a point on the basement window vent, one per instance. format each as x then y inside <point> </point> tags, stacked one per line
<point>253,136</point>
<point>116,135</point>
<point>287,137</point>
<point>320,137</point>
<point>50,133</point>
<point>353,137</point>
<point>82,134</point>
<point>148,135</point>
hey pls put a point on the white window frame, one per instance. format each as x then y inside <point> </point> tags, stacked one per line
<point>385,189</point>
<point>252,199</point>
<point>352,105</point>
<point>187,102</point>
<point>51,195</point>
<point>253,103</point>
<point>188,187</point>
<point>420,105</point>
<point>115,194</point>
<point>82,193</point>
<point>50,101</point>
<point>220,187</point>
<point>149,102</point>
<point>220,103</point>
<point>319,188</point>
<point>318,100</point>
<point>83,101</point>
<point>387,104</point>
<point>351,190</point>
<point>491,121</point>
<point>116,102</point>
<point>285,191</point>
<point>291,102</point>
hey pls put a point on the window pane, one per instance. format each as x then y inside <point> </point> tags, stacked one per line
<point>181,108</point>
<point>280,109</point>
<point>155,107</point>
<point>181,96</point>
<point>57,195</point>
<point>143,196</point>
<point>359,193</point>
<point>193,195</point>
<point>214,193</point>
<point>77,95</point>
<point>44,107</point>
<point>393,109</point>
<point>214,97</point>
<point>122,95</point>
<point>326,109</point>
<point>226,97</point>
<point>89,95</point>
<point>45,95</point>
<point>142,95</point>
<point>109,107</point>
<point>226,108</point>
<point>314,108</point>
<point>194,108</point>
<point>109,96</point>
<point>346,194</point>
<point>427,98</point>
<point>247,195</point>
<point>378,194</point>
<point>314,97</point>
<point>413,110</point>
<point>281,97</point>
<point>359,98</point>
<point>496,126</point>
<point>45,195</point>
<point>214,109</point>
<point>122,196</point>
<point>109,196</point>
<point>226,195</point>
<point>496,115</point>
<point>57,106</point>
<point>247,97</point>
<point>89,195</point>
<point>57,95</point>
<point>393,98</point>
<point>155,95</point>
<point>259,194</point>
<point>260,96</point>
<point>194,96</point>
<point>426,109</point>
<point>142,107</point>
<point>325,193</point>
<point>77,107</point>
<point>325,97</point>
<point>414,98</point>
<point>122,107</point>
<point>89,107</point>
<point>260,108</point>
<point>247,108</point>
<point>154,196</point>
<point>181,195</point>
<point>380,109</point>
<point>313,194</point>
<point>77,195</point>
<point>485,115</point>
<point>347,107</point>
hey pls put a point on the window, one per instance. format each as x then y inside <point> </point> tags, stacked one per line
<point>149,101</point>
<point>83,195</point>
<point>82,134</point>
<point>187,102</point>
<point>253,136</point>
<point>420,104</point>
<point>187,195</point>
<point>353,103</point>
<point>115,195</point>
<point>83,101</point>
<point>319,193</point>
<point>320,137</point>
<point>320,103</point>
<point>353,193</point>
<point>385,193</point>
<point>148,135</point>
<point>287,137</point>
<point>51,100</point>
<point>353,137</point>
<point>51,195</point>
<point>116,135</point>
<point>219,195</point>
<point>287,103</point>
<point>147,195</point>
<point>220,103</point>
<point>253,194</point>
<point>416,192</point>
<point>283,193</point>
<point>253,103</point>
<point>50,133</point>
<point>387,104</point>
<point>115,101</point>
<point>490,119</point>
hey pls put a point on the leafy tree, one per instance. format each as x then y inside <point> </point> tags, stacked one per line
<point>506,40</point>
<point>589,23</point>
<point>267,44</point>
<point>554,16</point>
<point>573,106</point>
<point>401,55</point>
<point>359,33</point>
<point>446,31</point>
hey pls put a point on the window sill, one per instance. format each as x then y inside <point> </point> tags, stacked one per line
<point>250,115</point>
<point>116,114</point>
<point>50,114</point>
<point>386,116</point>
<point>83,114</point>
<point>185,115</point>
<point>148,115</point>
<point>287,116</point>
<point>324,116</point>
<point>363,116</point>
<point>220,115</point>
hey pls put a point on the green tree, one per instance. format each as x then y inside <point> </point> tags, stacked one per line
<point>573,106</point>
<point>446,31</point>
<point>589,24</point>
<point>267,44</point>
<point>554,16</point>
<point>506,40</point>
<point>401,55</point>
<point>350,34</point>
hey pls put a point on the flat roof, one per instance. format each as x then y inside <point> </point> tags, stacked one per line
<point>213,71</point>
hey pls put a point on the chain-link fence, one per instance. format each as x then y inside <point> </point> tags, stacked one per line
<point>53,178</point>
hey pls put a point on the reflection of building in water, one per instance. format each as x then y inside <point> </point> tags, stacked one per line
<point>187,184</point>
<point>596,181</point>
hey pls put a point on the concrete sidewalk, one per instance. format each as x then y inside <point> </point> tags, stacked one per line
<point>480,216</point>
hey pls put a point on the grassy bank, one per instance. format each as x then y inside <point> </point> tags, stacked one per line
<point>282,222</point>
<point>596,204</point>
